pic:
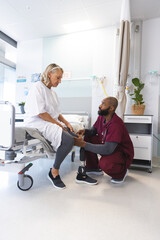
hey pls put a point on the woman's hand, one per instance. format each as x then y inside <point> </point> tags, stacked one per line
<point>69,126</point>
<point>64,129</point>
<point>46,117</point>
<point>81,132</point>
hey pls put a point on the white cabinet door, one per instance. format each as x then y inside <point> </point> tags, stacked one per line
<point>142,146</point>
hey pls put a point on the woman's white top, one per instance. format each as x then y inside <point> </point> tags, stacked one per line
<point>42,99</point>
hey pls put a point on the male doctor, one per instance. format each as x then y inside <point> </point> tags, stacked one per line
<point>109,138</point>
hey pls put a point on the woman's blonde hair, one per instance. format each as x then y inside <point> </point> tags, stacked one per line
<point>50,68</point>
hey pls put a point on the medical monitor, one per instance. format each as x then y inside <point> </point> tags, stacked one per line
<point>7,125</point>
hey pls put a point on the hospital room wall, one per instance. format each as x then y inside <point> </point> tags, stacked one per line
<point>29,61</point>
<point>73,53</point>
<point>150,61</point>
<point>103,66</point>
<point>92,53</point>
<point>84,55</point>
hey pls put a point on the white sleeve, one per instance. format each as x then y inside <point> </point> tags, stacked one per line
<point>57,101</point>
<point>35,102</point>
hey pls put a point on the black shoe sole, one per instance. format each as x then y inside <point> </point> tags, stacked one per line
<point>82,181</point>
<point>53,183</point>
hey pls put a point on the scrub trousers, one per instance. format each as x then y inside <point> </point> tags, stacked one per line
<point>115,165</point>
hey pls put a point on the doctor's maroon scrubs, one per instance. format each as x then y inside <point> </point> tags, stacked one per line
<point>116,164</point>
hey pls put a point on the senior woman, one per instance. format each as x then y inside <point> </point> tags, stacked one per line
<point>43,112</point>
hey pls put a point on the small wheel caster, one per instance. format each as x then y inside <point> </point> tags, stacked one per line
<point>28,182</point>
<point>149,170</point>
<point>73,156</point>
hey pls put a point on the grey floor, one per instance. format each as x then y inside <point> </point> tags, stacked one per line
<point>129,211</point>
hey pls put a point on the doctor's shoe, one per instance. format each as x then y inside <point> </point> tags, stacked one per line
<point>113,180</point>
<point>57,182</point>
<point>83,178</point>
<point>97,171</point>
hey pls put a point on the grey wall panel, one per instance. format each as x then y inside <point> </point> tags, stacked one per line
<point>76,104</point>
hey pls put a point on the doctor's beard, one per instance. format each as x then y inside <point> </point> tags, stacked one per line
<point>103,112</point>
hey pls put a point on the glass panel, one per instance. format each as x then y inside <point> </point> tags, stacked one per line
<point>7,83</point>
<point>8,56</point>
<point>8,52</point>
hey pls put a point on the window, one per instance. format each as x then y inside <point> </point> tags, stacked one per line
<point>8,55</point>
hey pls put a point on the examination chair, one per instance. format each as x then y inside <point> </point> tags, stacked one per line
<point>19,146</point>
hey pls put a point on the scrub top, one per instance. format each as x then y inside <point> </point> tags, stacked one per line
<point>115,131</point>
<point>42,99</point>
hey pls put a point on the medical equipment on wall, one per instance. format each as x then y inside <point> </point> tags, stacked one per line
<point>127,88</point>
<point>129,85</point>
<point>35,77</point>
<point>101,81</point>
<point>153,76</point>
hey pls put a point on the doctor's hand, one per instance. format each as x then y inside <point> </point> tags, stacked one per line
<point>79,142</point>
<point>81,132</point>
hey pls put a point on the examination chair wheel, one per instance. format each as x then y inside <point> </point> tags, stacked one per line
<point>28,182</point>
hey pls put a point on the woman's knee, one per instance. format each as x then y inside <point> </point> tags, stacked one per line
<point>67,140</point>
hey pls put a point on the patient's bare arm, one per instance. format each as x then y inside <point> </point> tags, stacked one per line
<point>47,117</point>
<point>62,119</point>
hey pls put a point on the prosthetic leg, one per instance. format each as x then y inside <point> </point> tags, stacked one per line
<point>82,177</point>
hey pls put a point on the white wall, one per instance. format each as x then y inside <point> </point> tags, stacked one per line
<point>85,54</point>
<point>29,61</point>
<point>72,51</point>
<point>150,61</point>
<point>91,53</point>
<point>103,65</point>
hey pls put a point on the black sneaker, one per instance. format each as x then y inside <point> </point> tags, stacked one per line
<point>113,180</point>
<point>81,178</point>
<point>57,182</point>
<point>97,171</point>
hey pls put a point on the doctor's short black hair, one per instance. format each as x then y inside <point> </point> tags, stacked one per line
<point>112,102</point>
